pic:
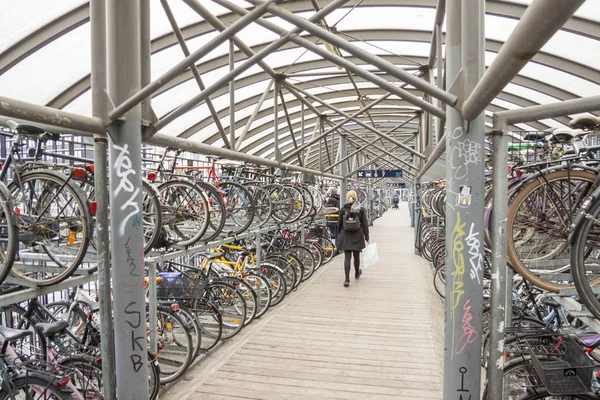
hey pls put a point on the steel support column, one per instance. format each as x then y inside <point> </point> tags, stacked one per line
<point>344,168</point>
<point>189,61</point>
<point>540,21</point>
<point>231,97</point>
<point>501,287</point>
<point>123,22</point>
<point>276,119</point>
<point>99,110</point>
<point>464,206</point>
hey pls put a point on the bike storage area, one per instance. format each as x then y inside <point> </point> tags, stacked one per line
<point>166,170</point>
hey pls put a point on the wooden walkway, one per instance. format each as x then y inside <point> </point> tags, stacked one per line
<point>381,338</point>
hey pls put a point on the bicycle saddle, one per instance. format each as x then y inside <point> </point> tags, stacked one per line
<point>10,334</point>
<point>92,305</point>
<point>30,130</point>
<point>591,341</point>
<point>51,329</point>
<point>550,302</point>
<point>588,122</point>
<point>534,136</point>
<point>212,255</point>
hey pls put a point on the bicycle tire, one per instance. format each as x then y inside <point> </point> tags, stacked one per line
<point>518,200</point>
<point>262,288</point>
<point>327,248</point>
<point>211,324</point>
<point>239,218</point>
<point>297,204</point>
<point>290,271</point>
<point>89,384</point>
<point>262,203</point>
<point>180,224</point>
<point>250,296</point>
<point>440,275</point>
<point>579,248</point>
<point>233,319</point>
<point>278,284</point>
<point>176,349</point>
<point>307,259</point>
<point>192,327</point>
<point>9,232</point>
<point>45,381</point>
<point>317,254</point>
<point>217,211</point>
<point>78,225</point>
<point>281,201</point>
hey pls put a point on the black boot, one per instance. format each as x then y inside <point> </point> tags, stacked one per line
<point>347,282</point>
<point>358,274</point>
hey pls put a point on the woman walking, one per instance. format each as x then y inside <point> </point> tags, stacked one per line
<point>353,229</point>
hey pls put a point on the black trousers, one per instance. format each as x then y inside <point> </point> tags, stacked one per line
<point>347,256</point>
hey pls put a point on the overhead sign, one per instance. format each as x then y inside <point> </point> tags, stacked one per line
<point>379,173</point>
<point>400,185</point>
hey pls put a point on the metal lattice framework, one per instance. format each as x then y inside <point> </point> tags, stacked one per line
<point>411,48</point>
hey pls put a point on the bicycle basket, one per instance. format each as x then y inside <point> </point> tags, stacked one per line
<point>180,287</point>
<point>563,367</point>
<point>317,231</point>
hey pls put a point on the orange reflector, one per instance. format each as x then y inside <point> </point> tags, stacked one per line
<point>72,237</point>
<point>168,325</point>
<point>79,173</point>
<point>237,321</point>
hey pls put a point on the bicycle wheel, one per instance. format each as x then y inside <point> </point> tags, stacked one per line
<point>585,255</point>
<point>519,374</point>
<point>193,328</point>
<point>282,202</point>
<point>86,375</point>
<point>327,248</point>
<point>539,394</point>
<point>175,345</point>
<point>439,281</point>
<point>151,215</point>
<point>184,213</point>
<point>308,202</point>
<point>54,227</point>
<point>307,259</point>
<point>34,386</point>
<point>239,204</point>
<point>291,274</point>
<point>216,210</point>
<point>539,219</point>
<point>9,234</point>
<point>318,203</point>
<point>316,252</point>
<point>277,282</point>
<point>231,305</point>
<point>249,295</point>
<point>211,324</point>
<point>262,203</point>
<point>262,288</point>
<point>297,204</point>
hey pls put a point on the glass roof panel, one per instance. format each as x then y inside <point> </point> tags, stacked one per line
<point>51,69</point>
<point>23,17</point>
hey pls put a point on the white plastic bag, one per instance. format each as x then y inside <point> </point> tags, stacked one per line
<point>370,255</point>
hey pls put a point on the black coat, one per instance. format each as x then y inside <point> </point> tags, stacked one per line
<point>354,240</point>
<point>332,201</point>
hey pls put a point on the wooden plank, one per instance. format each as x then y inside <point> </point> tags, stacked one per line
<point>374,340</point>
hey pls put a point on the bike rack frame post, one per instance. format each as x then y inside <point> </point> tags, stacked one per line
<point>501,299</point>
<point>127,238</point>
<point>465,43</point>
<point>99,110</point>
<point>153,303</point>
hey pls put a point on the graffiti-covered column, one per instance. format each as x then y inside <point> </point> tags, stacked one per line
<point>126,235</point>
<point>464,206</point>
